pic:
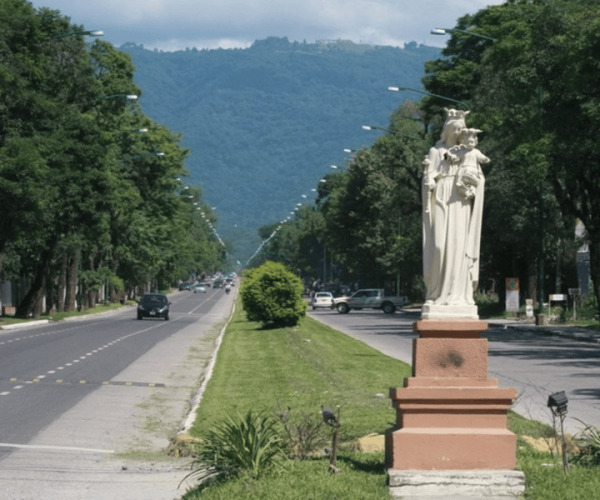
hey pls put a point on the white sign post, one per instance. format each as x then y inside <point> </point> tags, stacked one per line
<point>529,308</point>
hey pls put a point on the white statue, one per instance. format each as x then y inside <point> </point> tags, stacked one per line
<point>453,186</point>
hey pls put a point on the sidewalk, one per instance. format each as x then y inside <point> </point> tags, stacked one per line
<point>112,443</point>
<point>572,332</point>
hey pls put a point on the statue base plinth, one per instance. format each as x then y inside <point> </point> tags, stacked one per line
<point>435,311</point>
<point>445,485</point>
<point>450,414</point>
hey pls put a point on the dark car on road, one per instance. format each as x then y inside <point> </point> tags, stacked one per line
<point>153,305</point>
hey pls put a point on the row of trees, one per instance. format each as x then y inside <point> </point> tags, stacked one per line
<point>527,70</point>
<point>90,189</point>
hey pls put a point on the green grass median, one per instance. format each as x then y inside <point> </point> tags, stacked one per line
<point>303,368</point>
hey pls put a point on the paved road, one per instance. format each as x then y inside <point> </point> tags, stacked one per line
<point>87,407</point>
<point>537,365</point>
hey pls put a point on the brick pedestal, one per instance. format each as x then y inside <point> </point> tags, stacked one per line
<point>450,414</point>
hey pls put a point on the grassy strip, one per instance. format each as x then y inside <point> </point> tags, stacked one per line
<point>9,320</point>
<point>313,365</point>
<point>85,312</point>
<point>305,367</point>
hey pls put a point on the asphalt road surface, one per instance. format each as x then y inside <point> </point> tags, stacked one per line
<point>535,364</point>
<point>86,404</point>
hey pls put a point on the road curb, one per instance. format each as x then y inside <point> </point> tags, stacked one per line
<point>197,399</point>
<point>16,326</point>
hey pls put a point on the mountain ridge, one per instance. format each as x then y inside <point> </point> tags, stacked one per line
<point>264,124</point>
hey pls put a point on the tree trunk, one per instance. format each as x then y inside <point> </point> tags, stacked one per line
<point>33,300</point>
<point>594,245</point>
<point>71,291</point>
<point>532,278</point>
<point>62,284</point>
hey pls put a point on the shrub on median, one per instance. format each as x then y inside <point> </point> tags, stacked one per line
<point>272,295</point>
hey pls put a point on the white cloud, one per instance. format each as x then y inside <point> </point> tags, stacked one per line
<point>176,24</point>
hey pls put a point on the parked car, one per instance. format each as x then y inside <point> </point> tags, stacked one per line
<point>370,298</point>
<point>184,286</point>
<point>322,299</point>
<point>200,288</point>
<point>153,305</point>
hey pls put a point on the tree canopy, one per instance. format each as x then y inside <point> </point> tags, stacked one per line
<point>526,70</point>
<point>88,183</point>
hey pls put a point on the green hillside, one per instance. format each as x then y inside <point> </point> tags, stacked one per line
<point>263,124</point>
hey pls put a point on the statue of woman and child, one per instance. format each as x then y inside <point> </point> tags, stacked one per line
<point>452,188</point>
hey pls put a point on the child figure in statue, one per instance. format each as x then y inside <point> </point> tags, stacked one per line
<point>469,161</point>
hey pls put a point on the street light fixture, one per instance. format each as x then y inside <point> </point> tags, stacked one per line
<point>387,130</point>
<point>79,33</point>
<point>557,403</point>
<point>373,127</point>
<point>139,130</point>
<point>125,97</point>
<point>398,89</point>
<point>445,31</point>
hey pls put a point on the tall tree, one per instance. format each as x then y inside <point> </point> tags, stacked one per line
<point>511,80</point>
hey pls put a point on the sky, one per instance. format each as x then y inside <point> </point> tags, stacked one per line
<point>171,25</point>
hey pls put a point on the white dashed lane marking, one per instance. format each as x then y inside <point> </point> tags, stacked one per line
<point>40,378</point>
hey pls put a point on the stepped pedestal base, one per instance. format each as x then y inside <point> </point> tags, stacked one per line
<point>450,415</point>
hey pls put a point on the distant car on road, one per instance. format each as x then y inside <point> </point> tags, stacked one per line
<point>153,305</point>
<point>184,286</point>
<point>200,289</point>
<point>322,299</point>
<point>371,298</point>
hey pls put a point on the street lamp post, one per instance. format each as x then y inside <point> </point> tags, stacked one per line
<point>398,89</point>
<point>156,153</point>
<point>125,97</point>
<point>445,31</point>
<point>79,33</point>
<point>389,131</point>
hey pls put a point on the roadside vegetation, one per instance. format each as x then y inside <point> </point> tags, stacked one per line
<point>92,190</point>
<point>281,378</point>
<point>58,316</point>
<point>523,70</point>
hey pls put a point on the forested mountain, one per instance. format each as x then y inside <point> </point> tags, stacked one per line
<point>263,124</point>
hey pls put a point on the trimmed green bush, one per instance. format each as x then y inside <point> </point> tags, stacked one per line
<point>272,295</point>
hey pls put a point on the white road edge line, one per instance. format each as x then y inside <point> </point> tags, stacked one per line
<point>191,417</point>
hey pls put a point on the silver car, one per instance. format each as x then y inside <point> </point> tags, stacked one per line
<point>322,299</point>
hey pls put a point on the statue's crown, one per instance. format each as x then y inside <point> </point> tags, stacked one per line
<point>456,114</point>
